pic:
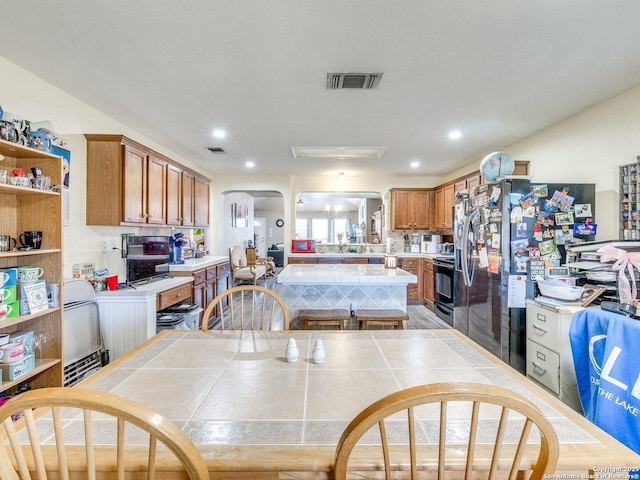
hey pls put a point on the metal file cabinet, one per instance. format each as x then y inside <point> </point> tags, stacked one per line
<point>549,359</point>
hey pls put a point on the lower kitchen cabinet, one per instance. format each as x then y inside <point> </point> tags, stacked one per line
<point>414,290</point>
<point>300,260</point>
<point>427,281</point>
<point>549,358</point>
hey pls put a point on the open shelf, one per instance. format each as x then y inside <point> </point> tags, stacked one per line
<point>42,364</point>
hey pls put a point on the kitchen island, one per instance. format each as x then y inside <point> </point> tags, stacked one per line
<point>348,286</point>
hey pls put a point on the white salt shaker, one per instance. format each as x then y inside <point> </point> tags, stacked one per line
<point>291,354</point>
<point>318,352</point>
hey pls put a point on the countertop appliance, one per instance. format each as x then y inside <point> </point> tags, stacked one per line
<point>494,234</point>
<point>302,245</point>
<point>147,258</point>
<point>429,243</point>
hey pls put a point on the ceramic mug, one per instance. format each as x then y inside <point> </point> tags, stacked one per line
<point>31,239</point>
<point>40,141</point>
<point>5,243</point>
<point>8,131</point>
<point>29,274</point>
<point>11,352</point>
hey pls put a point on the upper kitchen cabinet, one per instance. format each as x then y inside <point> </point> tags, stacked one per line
<point>130,184</point>
<point>201,202</point>
<point>444,196</point>
<point>411,208</point>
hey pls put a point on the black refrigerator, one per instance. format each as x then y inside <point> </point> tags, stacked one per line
<point>506,234</point>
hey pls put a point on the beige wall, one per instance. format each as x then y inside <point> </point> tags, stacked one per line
<point>584,148</point>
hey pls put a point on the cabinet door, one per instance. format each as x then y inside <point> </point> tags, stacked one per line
<point>156,191</point>
<point>201,202</point>
<point>473,181</point>
<point>448,206</point>
<point>401,204</point>
<point>459,186</point>
<point>439,208</point>
<point>135,186</point>
<point>421,210</point>
<point>174,195</point>
<point>427,281</point>
<point>188,181</point>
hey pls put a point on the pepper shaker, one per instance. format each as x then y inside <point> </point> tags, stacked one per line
<point>318,352</point>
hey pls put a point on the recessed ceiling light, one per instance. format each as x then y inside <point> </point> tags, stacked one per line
<point>455,134</point>
<point>414,164</point>
<point>250,164</point>
<point>219,133</point>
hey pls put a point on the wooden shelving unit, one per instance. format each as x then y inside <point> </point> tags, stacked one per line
<point>24,209</point>
<point>629,200</point>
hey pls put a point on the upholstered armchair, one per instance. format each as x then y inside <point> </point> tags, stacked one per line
<point>240,268</point>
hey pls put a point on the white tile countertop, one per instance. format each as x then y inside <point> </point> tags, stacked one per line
<point>345,274</point>
<point>146,289</point>
<point>193,264</point>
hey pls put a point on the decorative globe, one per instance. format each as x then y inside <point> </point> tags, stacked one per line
<point>496,165</point>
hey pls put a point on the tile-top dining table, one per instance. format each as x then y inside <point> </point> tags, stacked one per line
<point>254,415</point>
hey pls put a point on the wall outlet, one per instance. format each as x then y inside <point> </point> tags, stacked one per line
<point>105,247</point>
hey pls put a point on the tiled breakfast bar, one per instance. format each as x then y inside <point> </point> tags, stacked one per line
<point>343,286</point>
<point>253,415</point>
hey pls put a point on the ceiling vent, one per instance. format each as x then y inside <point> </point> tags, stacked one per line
<point>362,81</point>
<point>215,150</point>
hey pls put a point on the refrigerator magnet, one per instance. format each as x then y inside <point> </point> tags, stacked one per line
<point>564,218</point>
<point>582,229</point>
<point>516,215</point>
<point>540,190</point>
<point>583,210</point>
<point>527,200</point>
<point>521,230</point>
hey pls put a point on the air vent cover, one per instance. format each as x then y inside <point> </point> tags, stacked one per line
<point>215,150</point>
<point>362,81</point>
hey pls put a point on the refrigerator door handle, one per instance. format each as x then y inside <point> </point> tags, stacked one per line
<point>464,253</point>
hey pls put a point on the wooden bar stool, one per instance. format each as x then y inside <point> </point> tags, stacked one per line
<point>392,316</point>
<point>330,316</point>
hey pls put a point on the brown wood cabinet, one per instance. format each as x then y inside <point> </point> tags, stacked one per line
<point>427,281</point>
<point>443,208</point>
<point>411,208</point>
<point>130,184</point>
<point>23,209</point>
<point>201,202</point>
<point>207,283</point>
<point>301,260</point>
<point>174,195</point>
<point>414,290</point>
<point>343,260</point>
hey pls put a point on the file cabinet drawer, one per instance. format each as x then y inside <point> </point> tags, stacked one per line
<point>543,327</point>
<point>543,365</point>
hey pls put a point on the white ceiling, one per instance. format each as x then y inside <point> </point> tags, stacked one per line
<point>498,70</point>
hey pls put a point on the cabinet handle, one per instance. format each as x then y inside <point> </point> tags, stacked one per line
<point>538,328</point>
<point>538,367</point>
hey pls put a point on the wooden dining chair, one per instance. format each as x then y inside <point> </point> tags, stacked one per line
<point>479,428</point>
<point>247,307</point>
<point>75,432</point>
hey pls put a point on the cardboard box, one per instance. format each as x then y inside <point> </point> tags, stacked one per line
<point>11,371</point>
<point>9,310</point>
<point>12,278</point>
<point>22,336</point>
<point>8,294</point>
